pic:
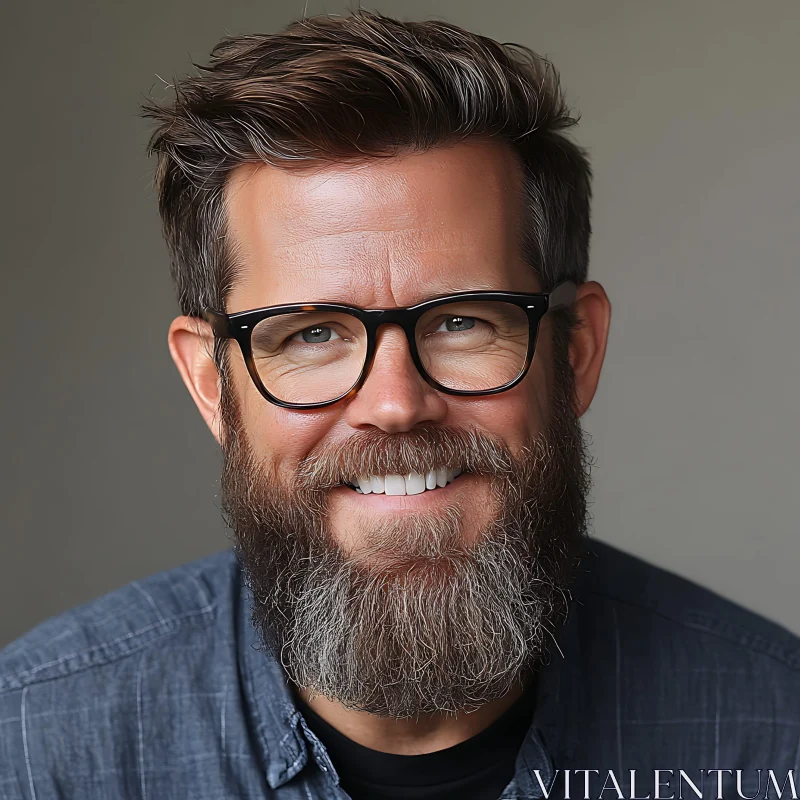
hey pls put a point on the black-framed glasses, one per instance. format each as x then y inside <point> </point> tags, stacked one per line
<point>311,355</point>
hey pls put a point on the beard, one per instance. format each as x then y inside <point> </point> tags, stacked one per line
<point>411,619</point>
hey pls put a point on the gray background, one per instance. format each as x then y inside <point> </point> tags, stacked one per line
<point>690,111</point>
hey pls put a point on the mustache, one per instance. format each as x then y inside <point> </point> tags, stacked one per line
<point>426,447</point>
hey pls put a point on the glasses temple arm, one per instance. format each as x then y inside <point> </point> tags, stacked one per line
<point>219,323</point>
<point>562,296</point>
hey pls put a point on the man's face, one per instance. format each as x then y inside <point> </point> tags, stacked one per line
<point>399,604</point>
<point>389,233</point>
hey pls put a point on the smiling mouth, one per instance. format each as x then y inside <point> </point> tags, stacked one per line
<point>413,483</point>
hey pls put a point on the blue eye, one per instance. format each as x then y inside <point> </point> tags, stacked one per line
<point>316,334</point>
<point>454,324</point>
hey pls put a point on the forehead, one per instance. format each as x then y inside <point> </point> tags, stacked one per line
<point>384,232</point>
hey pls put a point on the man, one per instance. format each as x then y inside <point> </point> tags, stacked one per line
<point>379,236</point>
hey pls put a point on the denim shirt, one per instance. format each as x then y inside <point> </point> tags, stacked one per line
<point>160,690</point>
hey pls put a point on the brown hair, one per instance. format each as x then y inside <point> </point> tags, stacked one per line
<point>354,87</point>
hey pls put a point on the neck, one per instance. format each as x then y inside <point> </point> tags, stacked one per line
<point>414,736</point>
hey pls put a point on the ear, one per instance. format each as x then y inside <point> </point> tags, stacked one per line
<point>191,345</point>
<point>587,347</point>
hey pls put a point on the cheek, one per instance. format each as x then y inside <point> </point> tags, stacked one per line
<point>278,435</point>
<point>514,416</point>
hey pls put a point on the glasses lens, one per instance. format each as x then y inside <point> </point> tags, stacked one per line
<point>473,346</point>
<point>309,357</point>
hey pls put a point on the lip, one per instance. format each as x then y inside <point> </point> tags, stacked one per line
<point>404,502</point>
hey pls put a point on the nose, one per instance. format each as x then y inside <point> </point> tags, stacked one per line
<point>395,397</point>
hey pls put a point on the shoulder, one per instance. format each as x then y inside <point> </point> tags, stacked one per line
<point>679,608</point>
<point>142,681</point>
<point>675,647</point>
<point>676,670</point>
<point>143,614</point>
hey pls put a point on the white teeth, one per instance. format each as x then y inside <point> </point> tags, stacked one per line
<point>395,485</point>
<point>414,483</point>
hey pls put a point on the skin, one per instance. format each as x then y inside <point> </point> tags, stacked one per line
<point>386,233</point>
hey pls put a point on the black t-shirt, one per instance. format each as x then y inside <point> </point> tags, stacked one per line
<point>478,768</point>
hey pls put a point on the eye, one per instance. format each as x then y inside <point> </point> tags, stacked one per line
<point>316,334</point>
<point>454,324</point>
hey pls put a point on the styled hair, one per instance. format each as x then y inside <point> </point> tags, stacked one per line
<point>356,87</point>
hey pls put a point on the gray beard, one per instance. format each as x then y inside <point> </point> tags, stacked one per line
<point>416,621</point>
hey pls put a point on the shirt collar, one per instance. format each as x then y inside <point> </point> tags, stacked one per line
<point>550,729</point>
<point>270,702</point>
